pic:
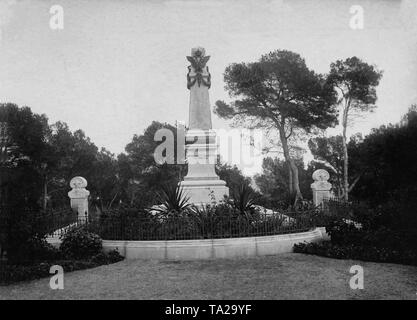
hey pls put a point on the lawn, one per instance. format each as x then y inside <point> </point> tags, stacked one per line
<point>286,276</point>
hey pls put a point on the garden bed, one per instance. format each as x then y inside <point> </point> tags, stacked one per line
<point>33,258</point>
<point>11,273</point>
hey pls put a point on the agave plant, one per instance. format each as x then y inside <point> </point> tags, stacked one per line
<point>244,200</point>
<point>203,218</point>
<point>173,199</point>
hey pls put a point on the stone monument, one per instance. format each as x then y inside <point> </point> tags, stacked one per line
<point>201,184</point>
<point>79,197</point>
<point>321,187</point>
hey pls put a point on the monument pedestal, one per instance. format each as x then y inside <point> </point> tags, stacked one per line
<point>79,198</point>
<point>201,184</point>
<point>205,191</point>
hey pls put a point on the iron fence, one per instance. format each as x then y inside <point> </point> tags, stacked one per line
<point>29,221</point>
<point>339,208</point>
<point>134,224</point>
<point>187,227</point>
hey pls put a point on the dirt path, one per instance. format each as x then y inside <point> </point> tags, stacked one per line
<point>286,276</point>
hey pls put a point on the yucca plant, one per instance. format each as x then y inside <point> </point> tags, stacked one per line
<point>244,200</point>
<point>173,199</point>
<point>203,218</point>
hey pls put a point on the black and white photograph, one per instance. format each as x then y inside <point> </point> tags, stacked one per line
<point>208,155</point>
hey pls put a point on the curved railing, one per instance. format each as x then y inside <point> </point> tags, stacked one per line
<point>116,225</point>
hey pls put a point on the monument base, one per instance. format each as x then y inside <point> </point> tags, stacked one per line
<point>204,191</point>
<point>201,184</point>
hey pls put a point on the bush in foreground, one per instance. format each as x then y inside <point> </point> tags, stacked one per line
<point>79,243</point>
<point>10,273</point>
<point>80,249</point>
<point>357,252</point>
<point>384,232</point>
<point>376,243</point>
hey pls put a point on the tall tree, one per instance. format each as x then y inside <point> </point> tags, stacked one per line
<point>23,148</point>
<point>279,91</point>
<point>356,83</point>
<point>23,144</point>
<point>71,154</point>
<point>140,174</point>
<point>233,176</point>
<point>387,157</point>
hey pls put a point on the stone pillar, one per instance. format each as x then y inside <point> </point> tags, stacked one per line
<point>201,184</point>
<point>79,197</point>
<point>321,187</point>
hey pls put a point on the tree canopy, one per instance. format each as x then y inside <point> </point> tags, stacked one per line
<point>279,91</point>
<point>356,83</point>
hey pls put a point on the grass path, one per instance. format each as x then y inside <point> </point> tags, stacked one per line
<point>286,276</point>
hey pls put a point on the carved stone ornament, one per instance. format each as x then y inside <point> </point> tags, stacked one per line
<point>321,175</point>
<point>78,182</point>
<point>198,61</point>
<point>78,191</point>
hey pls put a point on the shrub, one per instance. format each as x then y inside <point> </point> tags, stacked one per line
<point>35,248</point>
<point>10,273</point>
<point>358,252</point>
<point>244,200</point>
<point>79,243</point>
<point>114,256</point>
<point>40,249</point>
<point>173,198</point>
<point>342,232</point>
<point>14,273</point>
<point>371,242</point>
<point>100,258</point>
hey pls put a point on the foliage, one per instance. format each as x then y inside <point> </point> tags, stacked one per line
<point>328,154</point>
<point>79,243</point>
<point>222,220</point>
<point>112,256</point>
<point>173,199</point>
<point>273,182</point>
<point>39,249</point>
<point>28,249</point>
<point>357,252</point>
<point>23,151</point>
<point>42,158</point>
<point>279,91</point>
<point>356,83</point>
<point>385,233</point>
<point>244,201</point>
<point>233,177</point>
<point>387,157</point>
<point>10,273</point>
<point>73,154</point>
<point>19,234</point>
<point>140,176</point>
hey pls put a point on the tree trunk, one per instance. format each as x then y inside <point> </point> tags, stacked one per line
<point>294,186</point>
<point>345,156</point>
<point>290,179</point>
<point>45,193</point>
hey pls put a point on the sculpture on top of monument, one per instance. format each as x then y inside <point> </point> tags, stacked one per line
<point>198,61</point>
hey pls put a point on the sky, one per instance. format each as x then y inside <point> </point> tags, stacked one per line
<point>118,65</point>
